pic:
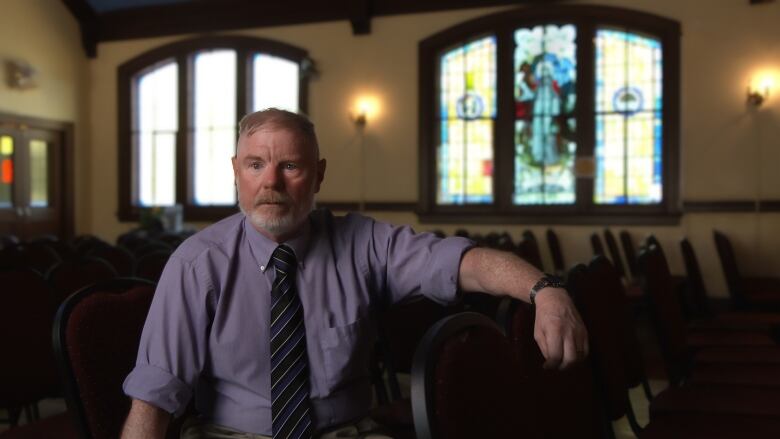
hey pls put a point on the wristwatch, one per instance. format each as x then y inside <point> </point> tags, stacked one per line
<point>549,280</point>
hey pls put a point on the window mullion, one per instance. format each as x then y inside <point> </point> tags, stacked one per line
<point>586,118</point>
<point>503,168</point>
<point>183,137</point>
<point>244,86</point>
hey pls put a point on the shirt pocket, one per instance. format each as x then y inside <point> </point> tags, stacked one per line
<point>346,351</point>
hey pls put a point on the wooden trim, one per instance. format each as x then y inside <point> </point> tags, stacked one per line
<point>769,206</point>
<point>88,23</point>
<point>376,206</point>
<point>211,16</point>
<point>719,206</point>
<point>67,130</point>
<point>628,220</point>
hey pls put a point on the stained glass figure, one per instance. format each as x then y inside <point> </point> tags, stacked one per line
<point>545,66</point>
<point>629,125</point>
<point>467,118</point>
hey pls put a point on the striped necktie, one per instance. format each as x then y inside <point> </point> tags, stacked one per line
<point>289,363</point>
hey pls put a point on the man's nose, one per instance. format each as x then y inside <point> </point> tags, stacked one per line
<point>272,177</point>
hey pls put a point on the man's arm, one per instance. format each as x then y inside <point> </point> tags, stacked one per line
<point>145,421</point>
<point>558,329</point>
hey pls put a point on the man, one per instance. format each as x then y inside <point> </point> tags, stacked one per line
<point>266,316</point>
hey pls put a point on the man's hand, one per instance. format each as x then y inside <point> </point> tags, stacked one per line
<point>558,329</point>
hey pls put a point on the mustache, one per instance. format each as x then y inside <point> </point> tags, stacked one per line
<point>276,198</point>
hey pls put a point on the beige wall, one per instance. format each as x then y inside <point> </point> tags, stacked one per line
<point>45,35</point>
<point>728,152</point>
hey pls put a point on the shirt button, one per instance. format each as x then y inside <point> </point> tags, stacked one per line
<point>262,267</point>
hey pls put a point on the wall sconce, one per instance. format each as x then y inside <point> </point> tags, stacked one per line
<point>365,107</point>
<point>20,75</point>
<point>759,89</point>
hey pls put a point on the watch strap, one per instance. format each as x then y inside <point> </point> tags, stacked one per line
<point>548,280</point>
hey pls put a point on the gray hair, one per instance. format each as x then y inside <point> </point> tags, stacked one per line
<point>276,118</point>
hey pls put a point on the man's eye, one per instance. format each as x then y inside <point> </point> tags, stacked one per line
<point>290,166</point>
<point>254,165</point>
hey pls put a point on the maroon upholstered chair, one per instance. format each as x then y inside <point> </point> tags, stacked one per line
<point>27,371</point>
<point>556,252</point>
<point>150,266</point>
<point>706,318</point>
<point>559,394</point>
<point>528,249</point>
<point>629,250</point>
<point>614,252</point>
<point>465,383</point>
<point>120,258</point>
<point>706,411</point>
<point>59,426</point>
<point>596,245</point>
<point>96,336</point>
<point>746,292</point>
<point>67,277</point>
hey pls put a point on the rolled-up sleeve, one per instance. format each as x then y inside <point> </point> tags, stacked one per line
<point>417,263</point>
<point>174,339</point>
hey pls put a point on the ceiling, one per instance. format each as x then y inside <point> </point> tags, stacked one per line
<point>112,20</point>
<point>101,6</point>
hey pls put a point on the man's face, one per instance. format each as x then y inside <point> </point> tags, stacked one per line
<point>277,175</point>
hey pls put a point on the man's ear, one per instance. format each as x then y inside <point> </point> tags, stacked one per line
<point>234,162</point>
<point>321,165</point>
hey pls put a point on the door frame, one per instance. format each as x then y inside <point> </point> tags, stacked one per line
<point>66,130</point>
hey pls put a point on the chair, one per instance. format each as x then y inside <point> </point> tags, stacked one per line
<point>27,371</point>
<point>702,412</point>
<point>560,394</point>
<point>96,336</point>
<point>629,250</point>
<point>67,277</point>
<point>614,252</point>
<point>38,256</point>
<point>59,426</point>
<point>120,258</point>
<point>465,383</point>
<point>528,249</point>
<point>150,266</point>
<point>741,349</point>
<point>556,252</point>
<point>745,292</point>
<point>151,247</point>
<point>596,245</point>
<point>705,318</point>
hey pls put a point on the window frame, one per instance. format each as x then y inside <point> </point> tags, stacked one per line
<point>182,52</point>
<point>584,211</point>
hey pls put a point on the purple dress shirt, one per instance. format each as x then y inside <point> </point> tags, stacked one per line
<point>207,332</point>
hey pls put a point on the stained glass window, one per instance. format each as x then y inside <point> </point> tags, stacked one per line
<point>215,127</point>
<point>6,171</point>
<point>155,135</point>
<point>629,120</point>
<point>467,117</point>
<point>545,66</point>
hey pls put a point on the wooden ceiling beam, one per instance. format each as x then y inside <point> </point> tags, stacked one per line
<point>88,23</point>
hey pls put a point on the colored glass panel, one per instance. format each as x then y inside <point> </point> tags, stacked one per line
<point>214,133</point>
<point>154,135</point>
<point>39,173</point>
<point>628,118</point>
<point>467,118</point>
<point>6,171</point>
<point>545,63</point>
<point>275,83</point>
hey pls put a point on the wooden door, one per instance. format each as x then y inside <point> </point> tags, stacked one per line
<point>32,181</point>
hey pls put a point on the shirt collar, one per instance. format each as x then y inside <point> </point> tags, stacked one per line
<point>263,247</point>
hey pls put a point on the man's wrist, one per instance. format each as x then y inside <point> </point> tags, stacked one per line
<point>547,281</point>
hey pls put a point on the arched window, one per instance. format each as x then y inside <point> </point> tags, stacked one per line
<point>551,114</point>
<point>179,106</point>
